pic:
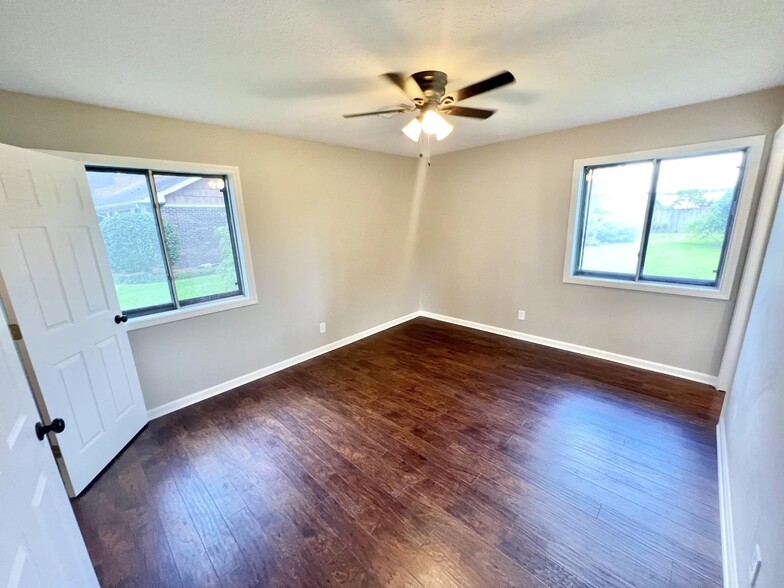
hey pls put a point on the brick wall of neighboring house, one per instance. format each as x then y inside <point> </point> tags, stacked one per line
<point>195,225</point>
<point>197,193</point>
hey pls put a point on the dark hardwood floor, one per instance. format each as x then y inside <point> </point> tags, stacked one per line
<point>426,455</point>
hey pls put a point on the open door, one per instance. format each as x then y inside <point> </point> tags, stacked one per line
<point>40,543</point>
<point>58,287</point>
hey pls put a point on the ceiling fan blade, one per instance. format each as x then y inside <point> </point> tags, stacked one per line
<point>407,85</point>
<point>469,112</point>
<point>377,112</point>
<point>491,83</point>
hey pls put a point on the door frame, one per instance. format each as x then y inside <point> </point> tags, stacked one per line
<point>6,312</point>
<point>35,389</point>
<point>765,211</point>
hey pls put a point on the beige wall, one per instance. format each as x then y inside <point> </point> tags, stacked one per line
<point>328,230</point>
<point>494,235</point>
<point>333,233</point>
<point>753,419</point>
<point>334,238</point>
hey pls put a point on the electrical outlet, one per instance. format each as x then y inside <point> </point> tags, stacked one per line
<point>322,327</point>
<point>521,315</point>
<point>754,566</point>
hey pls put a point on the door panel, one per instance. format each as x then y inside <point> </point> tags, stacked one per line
<point>40,543</point>
<point>82,407</point>
<point>35,249</point>
<point>25,570</point>
<point>68,193</point>
<point>59,284</point>
<point>17,187</point>
<point>115,370</point>
<point>83,250</point>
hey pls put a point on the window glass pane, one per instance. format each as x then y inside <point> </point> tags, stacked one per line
<point>616,200</point>
<point>123,202</point>
<point>694,201</point>
<point>198,236</point>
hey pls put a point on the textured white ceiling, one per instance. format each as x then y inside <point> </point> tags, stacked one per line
<point>292,67</point>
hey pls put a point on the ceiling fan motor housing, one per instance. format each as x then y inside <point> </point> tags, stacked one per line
<point>433,84</point>
<point>427,91</point>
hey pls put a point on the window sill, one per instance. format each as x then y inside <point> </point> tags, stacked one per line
<point>170,316</point>
<point>660,288</point>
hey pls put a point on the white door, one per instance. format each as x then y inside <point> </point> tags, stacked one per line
<point>40,543</point>
<point>59,285</point>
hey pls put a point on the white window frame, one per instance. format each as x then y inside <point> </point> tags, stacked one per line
<point>232,175</point>
<point>753,145</point>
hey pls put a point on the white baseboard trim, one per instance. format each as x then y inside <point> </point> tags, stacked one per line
<point>653,366</point>
<point>607,355</point>
<point>163,409</point>
<point>725,510</point>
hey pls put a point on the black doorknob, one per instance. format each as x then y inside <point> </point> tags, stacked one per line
<point>56,426</point>
<point>120,318</point>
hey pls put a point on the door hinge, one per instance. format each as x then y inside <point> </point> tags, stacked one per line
<point>56,451</point>
<point>16,332</point>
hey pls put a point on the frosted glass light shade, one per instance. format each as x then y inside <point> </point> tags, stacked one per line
<point>413,129</point>
<point>434,124</point>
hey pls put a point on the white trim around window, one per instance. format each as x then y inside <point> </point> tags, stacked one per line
<point>232,174</point>
<point>754,148</point>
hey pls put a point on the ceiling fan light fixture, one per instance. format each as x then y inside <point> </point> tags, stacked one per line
<point>444,130</point>
<point>427,93</point>
<point>413,129</point>
<point>434,124</point>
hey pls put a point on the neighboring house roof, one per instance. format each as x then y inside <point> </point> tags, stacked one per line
<point>111,191</point>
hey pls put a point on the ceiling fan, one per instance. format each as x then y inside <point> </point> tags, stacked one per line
<point>427,91</point>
